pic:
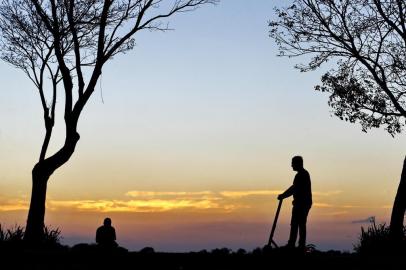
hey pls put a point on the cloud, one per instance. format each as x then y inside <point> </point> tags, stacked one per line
<point>349,206</point>
<point>7,205</point>
<point>212,194</point>
<point>323,205</point>
<point>366,220</point>
<point>336,213</point>
<point>140,206</point>
<point>326,193</point>
<point>388,206</point>
<point>162,201</point>
<point>151,194</point>
<point>337,206</point>
<point>246,193</point>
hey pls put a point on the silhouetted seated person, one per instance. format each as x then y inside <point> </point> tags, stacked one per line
<point>106,235</point>
<point>302,202</point>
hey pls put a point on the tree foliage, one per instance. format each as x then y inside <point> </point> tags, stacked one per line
<point>69,41</point>
<point>366,39</point>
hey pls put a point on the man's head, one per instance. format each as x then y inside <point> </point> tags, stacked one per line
<point>297,163</point>
<point>107,222</point>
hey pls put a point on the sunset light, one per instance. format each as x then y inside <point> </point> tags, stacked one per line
<point>182,124</point>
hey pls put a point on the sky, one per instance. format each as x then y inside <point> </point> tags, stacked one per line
<point>188,140</point>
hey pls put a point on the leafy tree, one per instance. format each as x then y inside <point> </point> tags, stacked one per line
<point>366,42</point>
<point>64,44</point>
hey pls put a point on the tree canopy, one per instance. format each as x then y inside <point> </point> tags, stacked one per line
<point>366,40</point>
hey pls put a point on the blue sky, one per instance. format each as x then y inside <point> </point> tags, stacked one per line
<point>208,106</point>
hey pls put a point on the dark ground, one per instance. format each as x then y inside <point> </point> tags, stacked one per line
<point>90,258</point>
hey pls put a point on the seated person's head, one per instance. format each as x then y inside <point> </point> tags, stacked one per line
<point>107,222</point>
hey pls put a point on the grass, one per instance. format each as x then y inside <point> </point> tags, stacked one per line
<point>375,240</point>
<point>13,234</point>
<point>13,238</point>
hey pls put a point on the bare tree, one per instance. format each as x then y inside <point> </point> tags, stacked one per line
<point>366,41</point>
<point>64,44</point>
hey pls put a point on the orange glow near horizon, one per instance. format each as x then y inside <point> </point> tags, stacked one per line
<point>239,217</point>
<point>188,139</point>
<point>247,202</point>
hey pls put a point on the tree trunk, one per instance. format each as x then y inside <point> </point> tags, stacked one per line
<point>42,171</point>
<point>398,210</point>
<point>35,223</point>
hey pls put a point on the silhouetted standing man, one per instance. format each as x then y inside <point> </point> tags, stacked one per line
<point>302,202</point>
<point>106,234</point>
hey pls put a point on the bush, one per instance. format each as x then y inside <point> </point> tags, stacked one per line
<point>13,234</point>
<point>221,251</point>
<point>52,237</point>
<point>14,237</point>
<point>147,250</point>
<point>375,240</point>
<point>241,251</point>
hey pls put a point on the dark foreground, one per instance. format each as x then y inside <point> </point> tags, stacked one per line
<point>274,259</point>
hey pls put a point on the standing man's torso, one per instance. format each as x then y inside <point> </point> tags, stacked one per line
<point>302,196</point>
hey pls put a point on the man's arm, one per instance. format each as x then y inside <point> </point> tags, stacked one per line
<point>287,193</point>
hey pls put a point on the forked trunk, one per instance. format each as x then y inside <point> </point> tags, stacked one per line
<point>34,232</point>
<point>398,210</point>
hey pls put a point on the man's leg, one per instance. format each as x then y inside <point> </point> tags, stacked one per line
<point>294,226</point>
<point>302,227</point>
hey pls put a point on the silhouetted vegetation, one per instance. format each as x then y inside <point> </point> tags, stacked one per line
<point>90,256</point>
<point>13,234</point>
<point>375,240</point>
<point>147,250</point>
<point>13,238</point>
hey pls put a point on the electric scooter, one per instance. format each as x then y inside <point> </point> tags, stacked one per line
<point>271,242</point>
